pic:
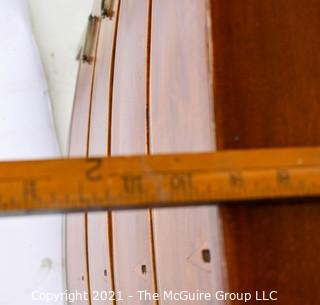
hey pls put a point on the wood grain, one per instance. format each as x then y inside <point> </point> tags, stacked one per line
<point>267,92</point>
<point>131,231</point>
<point>182,121</point>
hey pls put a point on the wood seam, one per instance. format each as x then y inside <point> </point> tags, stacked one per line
<point>109,141</point>
<point>87,155</point>
<point>148,146</point>
<point>87,258</point>
<point>148,68</point>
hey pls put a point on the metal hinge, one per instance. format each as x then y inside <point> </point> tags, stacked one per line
<point>107,8</point>
<point>88,53</point>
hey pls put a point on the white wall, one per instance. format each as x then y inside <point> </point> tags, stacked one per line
<point>31,256</point>
<point>58,26</point>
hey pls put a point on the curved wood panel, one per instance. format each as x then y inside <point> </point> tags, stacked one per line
<point>99,239</point>
<point>186,240</point>
<point>76,260</point>
<point>105,236</point>
<point>267,94</point>
<point>132,248</point>
<point>88,235</point>
<point>134,105</point>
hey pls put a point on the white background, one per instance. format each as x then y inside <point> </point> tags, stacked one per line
<point>58,26</point>
<point>32,256</point>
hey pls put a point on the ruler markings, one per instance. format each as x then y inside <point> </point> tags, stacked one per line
<point>159,181</point>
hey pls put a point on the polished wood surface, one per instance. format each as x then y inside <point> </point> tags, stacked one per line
<point>76,248</point>
<point>263,77</point>
<point>95,262</point>
<point>157,87</point>
<point>181,120</point>
<point>99,237</point>
<point>267,74</point>
<point>131,231</point>
<point>118,85</point>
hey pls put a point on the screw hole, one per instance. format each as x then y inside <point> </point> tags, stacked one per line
<point>206,255</point>
<point>105,272</point>
<point>144,269</point>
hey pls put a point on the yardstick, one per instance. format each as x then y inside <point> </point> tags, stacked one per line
<point>68,185</point>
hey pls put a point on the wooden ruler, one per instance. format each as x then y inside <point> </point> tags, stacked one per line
<point>158,181</point>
